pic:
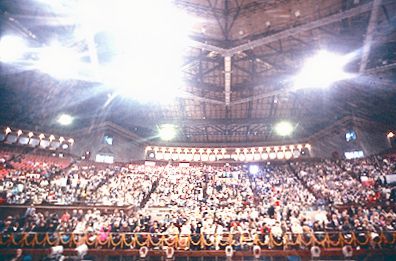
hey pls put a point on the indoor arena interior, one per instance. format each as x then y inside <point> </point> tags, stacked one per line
<point>197,130</point>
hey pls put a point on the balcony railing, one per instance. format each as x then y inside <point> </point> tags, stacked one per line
<point>196,242</point>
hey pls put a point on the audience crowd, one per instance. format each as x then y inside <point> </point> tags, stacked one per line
<point>303,196</point>
<point>347,182</point>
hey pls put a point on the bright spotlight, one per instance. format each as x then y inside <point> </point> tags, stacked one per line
<point>59,62</point>
<point>284,128</point>
<point>133,78</point>
<point>65,119</point>
<point>147,43</point>
<point>323,69</point>
<point>167,132</point>
<point>12,48</point>
<point>254,169</point>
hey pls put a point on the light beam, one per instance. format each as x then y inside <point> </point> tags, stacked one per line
<point>12,48</point>
<point>322,70</point>
<point>284,128</point>
<point>167,132</point>
<point>65,119</point>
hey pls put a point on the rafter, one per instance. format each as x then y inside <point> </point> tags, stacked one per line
<point>287,89</point>
<point>242,69</point>
<point>387,15</point>
<point>302,28</point>
<point>197,8</point>
<point>13,21</point>
<point>230,24</point>
<point>227,79</point>
<point>218,124</point>
<point>250,103</point>
<point>257,5</point>
<point>370,34</point>
<point>296,39</point>
<point>226,15</point>
<point>208,47</point>
<point>217,17</point>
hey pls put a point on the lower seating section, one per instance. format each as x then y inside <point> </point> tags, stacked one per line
<point>5,156</point>
<point>123,186</point>
<point>347,182</point>
<point>33,162</point>
<point>329,182</point>
<point>333,182</point>
<point>293,204</point>
<point>128,229</point>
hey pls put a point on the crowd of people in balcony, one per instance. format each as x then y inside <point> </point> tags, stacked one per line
<point>48,182</point>
<point>99,225</point>
<point>296,197</point>
<point>347,182</point>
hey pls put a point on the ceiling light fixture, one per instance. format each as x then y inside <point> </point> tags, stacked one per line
<point>65,119</point>
<point>167,132</point>
<point>284,128</point>
<point>322,70</point>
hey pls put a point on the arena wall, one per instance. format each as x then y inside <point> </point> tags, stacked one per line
<point>331,142</point>
<point>374,141</point>
<point>126,147</point>
<point>327,143</point>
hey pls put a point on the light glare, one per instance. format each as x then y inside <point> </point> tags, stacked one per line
<point>254,169</point>
<point>58,61</point>
<point>167,132</point>
<point>146,47</point>
<point>284,128</point>
<point>65,119</point>
<point>12,48</point>
<point>148,38</point>
<point>322,70</point>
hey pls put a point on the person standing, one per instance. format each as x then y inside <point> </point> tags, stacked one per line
<point>20,257</point>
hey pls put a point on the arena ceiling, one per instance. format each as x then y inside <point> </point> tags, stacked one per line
<point>236,69</point>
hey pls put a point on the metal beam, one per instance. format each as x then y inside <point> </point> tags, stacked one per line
<point>204,86</point>
<point>301,41</point>
<point>275,65</point>
<point>253,6</point>
<point>262,96</point>
<point>369,35</point>
<point>208,47</point>
<point>381,68</point>
<point>243,69</point>
<point>14,22</point>
<point>217,123</point>
<point>386,14</point>
<point>194,97</point>
<point>250,103</point>
<point>252,57</point>
<point>197,8</point>
<point>218,19</point>
<point>302,28</point>
<point>227,79</point>
<point>202,104</point>
<point>188,60</point>
<point>226,14</point>
<point>229,26</point>
<point>287,89</point>
<point>220,65</point>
